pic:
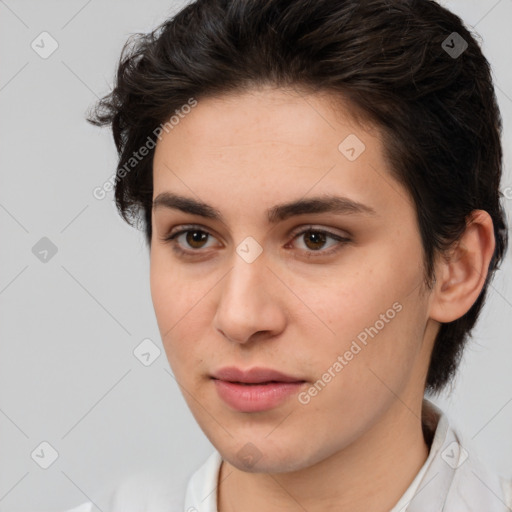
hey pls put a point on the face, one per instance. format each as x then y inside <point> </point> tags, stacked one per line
<point>327,291</point>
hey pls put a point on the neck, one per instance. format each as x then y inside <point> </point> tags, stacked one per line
<point>371,473</point>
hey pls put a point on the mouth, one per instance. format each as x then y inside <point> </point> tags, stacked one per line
<point>255,375</point>
<point>255,390</point>
<point>256,383</point>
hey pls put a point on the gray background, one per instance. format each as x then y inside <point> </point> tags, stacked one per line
<point>68,326</point>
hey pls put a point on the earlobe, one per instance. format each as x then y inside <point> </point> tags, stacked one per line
<point>462,272</point>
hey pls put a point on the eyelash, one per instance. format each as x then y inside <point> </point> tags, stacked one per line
<point>171,238</point>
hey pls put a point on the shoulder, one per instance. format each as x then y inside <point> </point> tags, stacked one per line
<point>84,507</point>
<point>458,478</point>
<point>153,491</point>
<point>477,485</point>
<point>506,486</point>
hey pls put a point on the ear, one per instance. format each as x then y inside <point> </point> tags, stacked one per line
<point>461,274</point>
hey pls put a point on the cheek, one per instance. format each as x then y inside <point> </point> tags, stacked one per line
<point>375,314</point>
<point>354,299</point>
<point>170,300</point>
<point>172,292</point>
<point>179,302</point>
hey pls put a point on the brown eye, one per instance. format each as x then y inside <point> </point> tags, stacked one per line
<point>196,238</point>
<point>316,239</point>
<point>189,240</point>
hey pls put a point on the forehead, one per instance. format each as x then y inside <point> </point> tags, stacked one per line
<point>266,116</point>
<point>272,143</point>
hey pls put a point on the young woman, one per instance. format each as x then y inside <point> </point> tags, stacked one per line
<point>319,187</point>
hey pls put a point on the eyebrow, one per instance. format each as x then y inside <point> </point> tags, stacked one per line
<point>278,213</point>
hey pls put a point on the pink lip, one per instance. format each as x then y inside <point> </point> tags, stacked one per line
<point>257,389</point>
<point>255,375</point>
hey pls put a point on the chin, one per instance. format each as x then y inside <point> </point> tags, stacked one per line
<point>267,458</point>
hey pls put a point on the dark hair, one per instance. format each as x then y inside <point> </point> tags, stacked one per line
<point>399,65</point>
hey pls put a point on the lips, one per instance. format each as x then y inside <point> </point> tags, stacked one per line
<point>255,390</point>
<point>253,376</point>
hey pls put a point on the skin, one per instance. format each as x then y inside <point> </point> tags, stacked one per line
<point>358,443</point>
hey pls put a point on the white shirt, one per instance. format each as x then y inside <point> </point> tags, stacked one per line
<point>452,479</point>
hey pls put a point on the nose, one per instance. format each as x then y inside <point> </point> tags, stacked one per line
<point>250,302</point>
